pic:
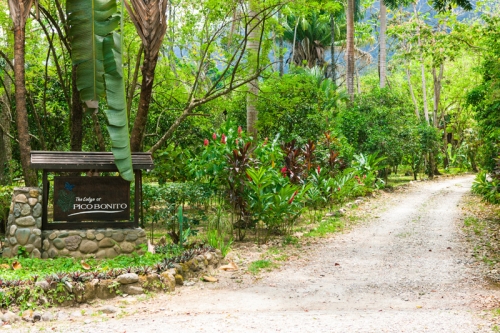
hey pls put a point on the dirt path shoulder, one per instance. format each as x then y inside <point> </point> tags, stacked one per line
<point>404,269</point>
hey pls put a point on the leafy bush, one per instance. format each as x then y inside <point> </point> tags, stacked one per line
<point>5,200</point>
<point>487,187</point>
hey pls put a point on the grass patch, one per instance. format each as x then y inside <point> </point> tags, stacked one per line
<point>256,266</point>
<point>326,227</point>
<point>43,267</point>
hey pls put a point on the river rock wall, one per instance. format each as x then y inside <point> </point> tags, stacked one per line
<point>24,223</point>
<point>24,232</point>
<point>97,243</point>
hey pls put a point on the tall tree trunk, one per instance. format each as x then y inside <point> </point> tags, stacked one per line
<point>350,49</point>
<point>422,67</point>
<point>152,31</point>
<point>253,85</point>
<point>332,48</point>
<point>98,131</point>
<point>281,61</point>
<point>437,92</point>
<point>19,11</point>
<point>141,118</point>
<point>5,143</point>
<point>382,45</point>
<point>412,94</point>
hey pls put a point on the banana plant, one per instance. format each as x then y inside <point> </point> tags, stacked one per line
<point>96,52</point>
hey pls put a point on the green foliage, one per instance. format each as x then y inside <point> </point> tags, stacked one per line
<point>485,98</point>
<point>292,105</point>
<point>487,187</point>
<point>380,121</point>
<point>218,242</point>
<point>96,50</point>
<point>256,266</point>
<point>5,201</point>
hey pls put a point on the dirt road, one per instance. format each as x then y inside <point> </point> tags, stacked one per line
<point>405,269</point>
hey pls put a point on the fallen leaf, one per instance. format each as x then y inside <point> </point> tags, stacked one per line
<point>229,267</point>
<point>337,264</point>
<point>85,265</point>
<point>419,306</point>
<point>207,278</point>
<point>4,266</point>
<point>16,265</point>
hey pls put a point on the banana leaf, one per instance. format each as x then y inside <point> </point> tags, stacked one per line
<point>116,111</point>
<point>89,22</point>
<point>96,52</point>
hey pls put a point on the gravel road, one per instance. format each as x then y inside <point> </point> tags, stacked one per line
<point>404,269</point>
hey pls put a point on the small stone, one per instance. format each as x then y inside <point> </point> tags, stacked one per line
<point>32,201</point>
<point>37,210</point>
<point>72,242</point>
<point>17,211</point>
<point>127,247</point>
<point>26,221</point>
<point>10,317</point>
<point>111,253</point>
<point>34,193</point>
<point>128,278</point>
<point>37,232</point>
<point>12,240</point>
<point>47,316</point>
<point>21,198</point>
<point>7,252</point>
<point>36,254</point>
<point>46,244</point>
<point>52,253</point>
<point>22,235</point>
<point>132,289</point>
<point>37,316</point>
<point>64,253</point>
<point>25,209</point>
<point>108,309</point>
<point>32,238</point>
<point>29,248</point>
<point>87,246</point>
<point>39,222</point>
<point>90,235</point>
<point>11,218</point>
<point>118,236</point>
<point>106,242</point>
<point>99,236</point>
<point>38,242</point>
<point>27,316</point>
<point>13,229</point>
<point>101,254</point>
<point>58,243</point>
<point>131,237</point>
<point>64,234</point>
<point>108,233</point>
<point>179,280</point>
<point>53,235</point>
<point>141,232</point>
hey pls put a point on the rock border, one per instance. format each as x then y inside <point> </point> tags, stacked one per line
<point>62,290</point>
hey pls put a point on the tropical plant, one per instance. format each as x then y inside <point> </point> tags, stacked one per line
<point>96,53</point>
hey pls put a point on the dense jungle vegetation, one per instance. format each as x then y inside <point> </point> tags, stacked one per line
<point>258,113</point>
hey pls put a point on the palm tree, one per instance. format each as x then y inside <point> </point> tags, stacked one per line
<point>310,36</point>
<point>19,12</point>
<point>149,18</point>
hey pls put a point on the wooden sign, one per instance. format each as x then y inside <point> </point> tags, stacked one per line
<point>91,199</point>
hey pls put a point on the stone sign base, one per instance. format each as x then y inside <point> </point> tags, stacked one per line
<point>97,243</point>
<point>24,232</point>
<point>24,223</point>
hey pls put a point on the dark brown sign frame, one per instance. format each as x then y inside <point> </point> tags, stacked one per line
<point>78,162</point>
